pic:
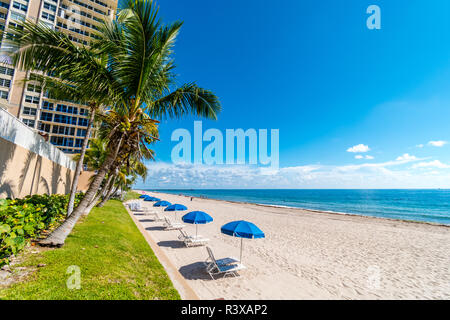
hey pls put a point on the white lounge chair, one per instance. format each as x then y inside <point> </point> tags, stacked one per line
<point>136,207</point>
<point>192,241</point>
<point>169,225</point>
<point>223,262</point>
<point>225,266</point>
<point>157,215</point>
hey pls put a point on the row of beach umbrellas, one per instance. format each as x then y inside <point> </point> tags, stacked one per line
<point>239,229</point>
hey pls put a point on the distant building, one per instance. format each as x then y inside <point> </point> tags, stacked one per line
<point>64,122</point>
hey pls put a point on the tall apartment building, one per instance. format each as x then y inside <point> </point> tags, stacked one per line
<point>64,122</point>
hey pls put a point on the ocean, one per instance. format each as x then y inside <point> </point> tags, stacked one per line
<point>416,205</point>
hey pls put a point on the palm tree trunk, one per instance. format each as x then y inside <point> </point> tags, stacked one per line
<point>79,166</point>
<point>59,235</point>
<point>107,185</point>
<point>108,193</point>
<point>92,204</point>
<point>115,191</point>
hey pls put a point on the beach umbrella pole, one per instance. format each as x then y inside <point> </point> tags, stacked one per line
<point>196,229</point>
<point>240,259</point>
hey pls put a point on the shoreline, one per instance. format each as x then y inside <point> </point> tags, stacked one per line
<point>307,254</point>
<point>305,209</point>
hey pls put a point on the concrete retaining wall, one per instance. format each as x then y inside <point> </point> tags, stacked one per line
<point>30,165</point>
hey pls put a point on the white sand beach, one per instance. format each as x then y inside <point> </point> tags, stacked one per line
<point>310,255</point>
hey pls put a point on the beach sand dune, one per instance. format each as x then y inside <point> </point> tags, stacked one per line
<point>311,255</point>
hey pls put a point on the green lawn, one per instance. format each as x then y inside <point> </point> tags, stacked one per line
<point>114,259</point>
<point>131,195</point>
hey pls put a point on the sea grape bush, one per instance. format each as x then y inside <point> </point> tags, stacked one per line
<point>24,219</point>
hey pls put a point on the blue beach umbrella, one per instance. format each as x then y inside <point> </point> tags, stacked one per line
<point>143,196</point>
<point>176,207</point>
<point>149,198</point>
<point>242,229</point>
<point>197,217</point>
<point>162,204</point>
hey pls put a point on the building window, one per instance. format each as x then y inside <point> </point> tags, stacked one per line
<point>20,6</point>
<point>73,110</point>
<point>7,71</point>
<point>68,131</point>
<point>82,122</point>
<point>5,83</point>
<point>31,99</point>
<point>47,105</point>
<point>62,141</point>
<point>78,143</point>
<point>28,122</point>
<point>34,88</point>
<point>65,119</point>
<point>44,127</point>
<point>49,6</point>
<point>45,116</point>
<point>17,16</point>
<point>29,111</point>
<point>3,94</point>
<point>48,16</point>
<point>81,132</point>
<point>61,108</point>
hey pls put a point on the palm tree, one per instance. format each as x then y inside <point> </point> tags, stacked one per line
<point>130,171</point>
<point>95,154</point>
<point>139,50</point>
<point>94,158</point>
<point>78,73</point>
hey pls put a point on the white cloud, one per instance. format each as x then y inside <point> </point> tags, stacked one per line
<point>419,146</point>
<point>364,157</point>
<point>359,148</point>
<point>389,174</point>
<point>439,143</point>
<point>431,164</point>
<point>406,157</point>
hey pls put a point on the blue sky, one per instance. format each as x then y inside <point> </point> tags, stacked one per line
<point>313,70</point>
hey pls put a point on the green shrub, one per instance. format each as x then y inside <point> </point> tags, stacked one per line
<point>24,219</point>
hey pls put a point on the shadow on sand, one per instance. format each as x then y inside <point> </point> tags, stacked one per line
<point>195,271</point>
<point>155,228</point>
<point>147,220</point>
<point>174,244</point>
